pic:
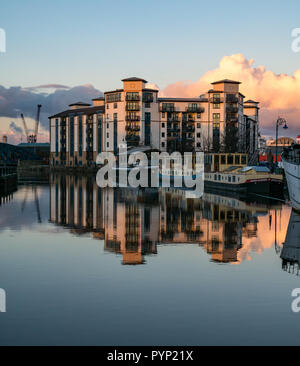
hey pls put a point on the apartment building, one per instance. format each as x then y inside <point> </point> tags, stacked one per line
<point>135,115</point>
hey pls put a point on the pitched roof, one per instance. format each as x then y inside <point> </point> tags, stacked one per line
<point>79,103</point>
<point>251,101</point>
<point>135,79</point>
<point>74,112</point>
<point>226,81</point>
<point>99,98</point>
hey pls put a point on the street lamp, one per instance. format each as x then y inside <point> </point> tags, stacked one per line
<point>280,121</point>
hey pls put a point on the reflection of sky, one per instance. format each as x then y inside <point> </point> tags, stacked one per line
<point>64,289</point>
<point>21,212</point>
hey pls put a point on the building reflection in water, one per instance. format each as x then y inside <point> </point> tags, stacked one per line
<point>134,222</point>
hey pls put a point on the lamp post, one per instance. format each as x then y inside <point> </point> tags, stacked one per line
<point>280,121</point>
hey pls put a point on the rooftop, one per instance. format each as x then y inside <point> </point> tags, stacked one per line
<point>74,112</point>
<point>135,79</point>
<point>226,81</point>
<point>79,103</point>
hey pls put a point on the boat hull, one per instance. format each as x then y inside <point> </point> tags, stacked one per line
<point>264,187</point>
<point>292,173</point>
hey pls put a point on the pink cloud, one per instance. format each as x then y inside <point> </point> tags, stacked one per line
<point>277,94</point>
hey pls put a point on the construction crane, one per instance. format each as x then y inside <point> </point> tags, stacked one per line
<point>32,138</point>
<point>25,127</point>
<point>37,122</point>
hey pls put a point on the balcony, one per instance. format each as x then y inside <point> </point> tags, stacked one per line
<point>195,109</point>
<point>148,99</point>
<point>231,109</point>
<point>187,138</point>
<point>131,98</point>
<point>132,138</point>
<point>132,128</point>
<point>132,107</point>
<point>171,128</point>
<point>173,136</point>
<point>231,99</point>
<point>167,109</point>
<point>132,118</point>
<point>216,100</point>
<point>172,119</point>
<point>188,128</point>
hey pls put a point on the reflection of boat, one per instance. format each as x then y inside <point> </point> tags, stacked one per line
<point>291,165</point>
<point>291,248</point>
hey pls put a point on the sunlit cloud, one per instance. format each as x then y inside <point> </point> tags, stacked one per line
<point>277,94</point>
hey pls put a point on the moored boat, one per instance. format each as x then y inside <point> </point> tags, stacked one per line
<point>231,173</point>
<point>291,165</point>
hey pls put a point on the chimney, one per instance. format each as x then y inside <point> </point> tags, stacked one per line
<point>4,139</point>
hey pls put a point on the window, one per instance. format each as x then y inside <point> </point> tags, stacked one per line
<point>107,106</point>
<point>230,159</point>
<point>237,159</point>
<point>233,179</point>
<point>163,115</point>
<point>132,96</point>
<point>162,144</point>
<point>107,125</point>
<point>198,125</point>
<point>244,159</point>
<point>216,117</point>
<point>198,144</point>
<point>163,134</point>
<point>115,105</point>
<point>147,105</point>
<point>163,125</point>
<point>113,97</point>
<point>198,134</point>
<point>107,144</point>
<point>223,159</point>
<point>198,115</point>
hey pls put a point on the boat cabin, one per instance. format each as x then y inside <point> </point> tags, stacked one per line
<point>220,162</point>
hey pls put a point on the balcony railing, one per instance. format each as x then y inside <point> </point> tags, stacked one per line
<point>173,136</point>
<point>231,109</point>
<point>216,100</point>
<point>232,99</point>
<point>167,109</point>
<point>188,128</point>
<point>195,109</point>
<point>132,118</point>
<point>130,98</point>
<point>132,138</point>
<point>132,107</point>
<point>132,128</point>
<point>172,128</point>
<point>173,119</point>
<point>147,99</point>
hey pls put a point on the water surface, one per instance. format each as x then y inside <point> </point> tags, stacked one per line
<point>87,266</point>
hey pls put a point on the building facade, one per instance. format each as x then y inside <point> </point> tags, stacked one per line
<point>137,116</point>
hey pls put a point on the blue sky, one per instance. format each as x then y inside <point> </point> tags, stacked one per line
<point>99,42</point>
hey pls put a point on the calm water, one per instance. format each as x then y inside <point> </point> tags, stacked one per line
<point>85,266</point>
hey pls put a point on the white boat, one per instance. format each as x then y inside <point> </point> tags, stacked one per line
<point>291,165</point>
